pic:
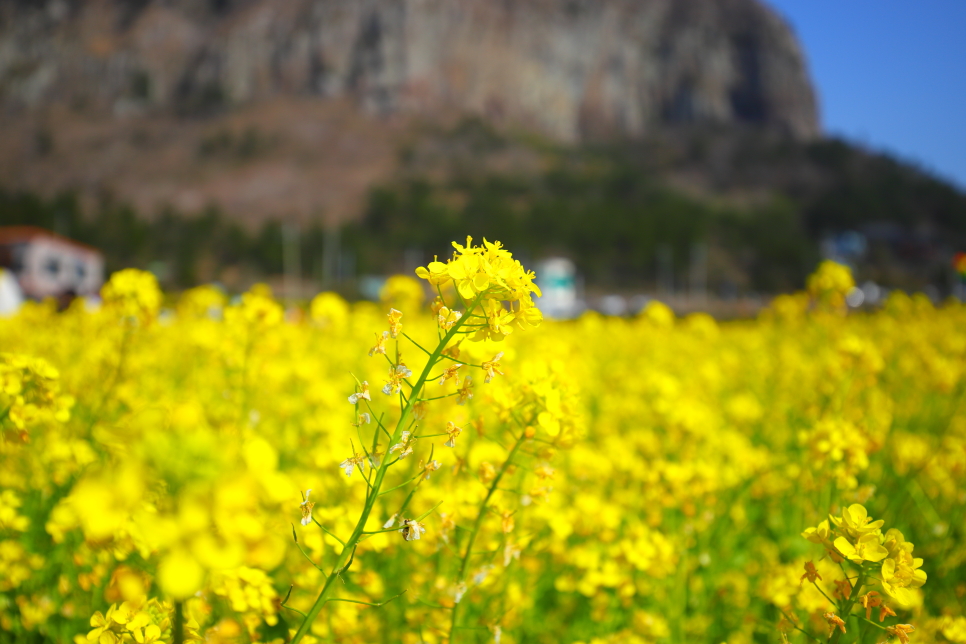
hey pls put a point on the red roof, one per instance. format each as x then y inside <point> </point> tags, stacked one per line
<point>14,234</point>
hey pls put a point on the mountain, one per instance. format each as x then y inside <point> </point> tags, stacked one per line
<point>630,135</point>
<point>295,107</point>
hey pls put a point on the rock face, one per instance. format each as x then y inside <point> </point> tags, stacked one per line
<point>572,69</point>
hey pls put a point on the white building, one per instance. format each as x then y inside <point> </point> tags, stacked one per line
<point>11,297</point>
<point>48,265</point>
<point>557,279</point>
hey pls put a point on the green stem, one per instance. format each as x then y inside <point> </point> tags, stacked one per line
<point>793,625</point>
<point>376,485</point>
<point>476,527</point>
<point>4,414</point>
<point>305,554</point>
<point>849,603</point>
<point>115,377</point>
<point>819,588</point>
<point>326,530</point>
<point>377,604</point>
<point>879,626</point>
<point>178,629</point>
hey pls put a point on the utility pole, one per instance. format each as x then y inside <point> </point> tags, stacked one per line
<point>291,259</point>
<point>665,270</point>
<point>331,257</point>
<point>698,277</point>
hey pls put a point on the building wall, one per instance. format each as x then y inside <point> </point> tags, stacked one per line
<point>52,267</point>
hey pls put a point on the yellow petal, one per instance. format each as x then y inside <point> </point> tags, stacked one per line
<point>180,575</point>
<point>466,289</point>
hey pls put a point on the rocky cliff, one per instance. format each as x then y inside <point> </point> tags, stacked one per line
<point>95,92</point>
<point>570,68</point>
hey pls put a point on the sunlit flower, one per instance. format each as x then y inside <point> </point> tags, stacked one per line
<point>498,320</point>
<point>896,544</point>
<point>885,611</point>
<point>134,294</point>
<point>360,395</point>
<point>810,573</point>
<point>446,318</point>
<point>855,522</point>
<point>352,462</point>
<point>102,627</point>
<point>147,634</point>
<point>486,472</point>
<point>428,469</point>
<point>397,374</point>
<point>545,472</point>
<point>492,368</point>
<point>450,373</point>
<point>306,505</point>
<point>435,273</point>
<point>395,326</point>
<point>843,589</point>
<point>541,494</point>
<point>419,410</point>
<point>510,552</point>
<point>819,534</point>
<point>412,530</point>
<point>480,575</point>
<point>834,621</point>
<point>507,522</point>
<point>866,548</point>
<point>380,346</point>
<point>447,525</point>
<point>898,577</point>
<point>453,350</point>
<point>901,631</point>
<point>870,600</point>
<point>465,393</point>
<point>405,445</point>
<point>453,431</point>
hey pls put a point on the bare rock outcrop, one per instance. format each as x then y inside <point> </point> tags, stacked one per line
<point>572,69</point>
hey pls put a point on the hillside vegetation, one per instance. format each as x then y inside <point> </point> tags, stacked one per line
<point>760,203</point>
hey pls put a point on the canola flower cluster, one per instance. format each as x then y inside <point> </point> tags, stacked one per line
<point>856,538</point>
<point>441,471</point>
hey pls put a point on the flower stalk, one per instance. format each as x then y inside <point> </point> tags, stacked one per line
<point>375,486</point>
<point>471,538</point>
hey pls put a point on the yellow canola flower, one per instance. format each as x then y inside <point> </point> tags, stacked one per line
<point>954,629</point>
<point>659,314</point>
<point>30,393</point>
<point>656,462</point>
<point>180,575</point>
<point>896,544</point>
<point>402,292</point>
<point>133,294</point>
<point>867,548</point>
<point>831,283</point>
<point>202,302</point>
<point>256,309</point>
<point>329,310</point>
<point>855,522</point>
<point>898,578</point>
<point>488,272</point>
<point>10,518</point>
<point>141,620</point>
<point>250,591</point>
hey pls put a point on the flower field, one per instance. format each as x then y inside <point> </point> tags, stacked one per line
<point>459,470</point>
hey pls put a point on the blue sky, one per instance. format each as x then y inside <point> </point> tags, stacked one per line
<point>890,75</point>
